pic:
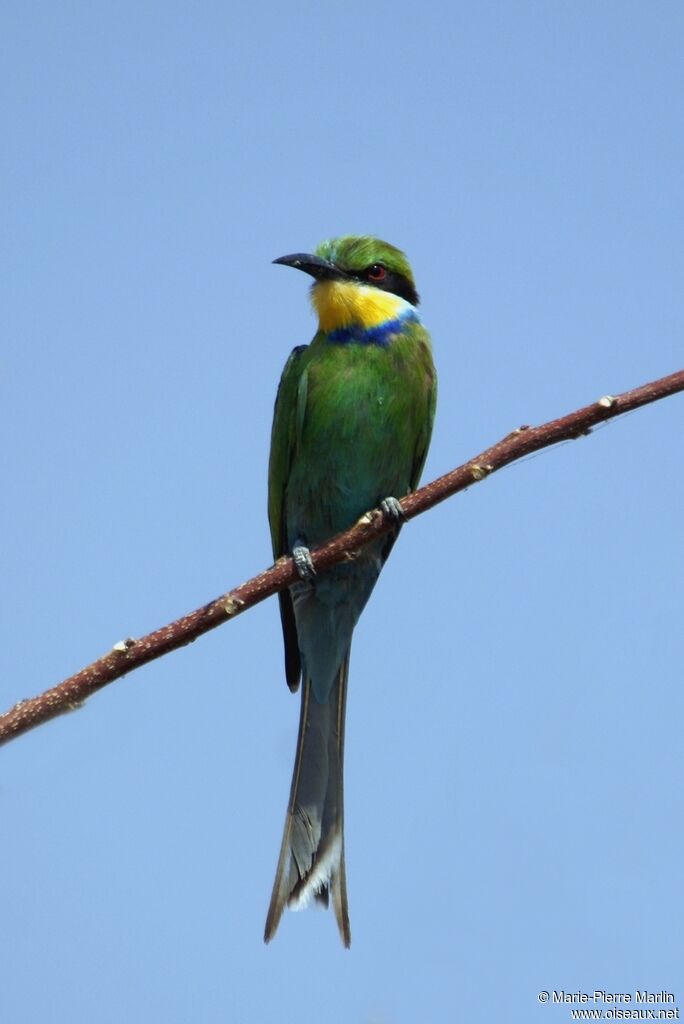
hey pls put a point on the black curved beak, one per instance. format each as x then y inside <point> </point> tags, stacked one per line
<point>322,270</point>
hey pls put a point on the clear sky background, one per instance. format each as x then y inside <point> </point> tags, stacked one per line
<point>514,783</point>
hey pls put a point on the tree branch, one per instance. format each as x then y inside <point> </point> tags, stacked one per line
<point>131,654</point>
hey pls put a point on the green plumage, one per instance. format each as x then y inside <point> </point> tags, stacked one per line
<point>351,427</point>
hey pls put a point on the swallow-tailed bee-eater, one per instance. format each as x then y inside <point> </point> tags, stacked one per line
<point>351,428</point>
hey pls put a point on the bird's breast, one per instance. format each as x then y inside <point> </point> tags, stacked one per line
<point>356,440</point>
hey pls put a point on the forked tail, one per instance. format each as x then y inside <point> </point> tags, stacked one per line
<point>311,862</point>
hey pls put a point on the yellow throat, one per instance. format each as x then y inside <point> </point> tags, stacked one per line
<point>347,303</point>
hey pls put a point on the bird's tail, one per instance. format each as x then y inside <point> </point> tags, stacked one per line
<point>311,862</point>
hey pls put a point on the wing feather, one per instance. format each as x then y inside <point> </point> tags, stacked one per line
<point>283,445</point>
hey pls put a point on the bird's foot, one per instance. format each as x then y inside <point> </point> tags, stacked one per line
<point>391,507</point>
<point>301,557</point>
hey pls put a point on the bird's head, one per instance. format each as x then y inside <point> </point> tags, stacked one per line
<point>358,281</point>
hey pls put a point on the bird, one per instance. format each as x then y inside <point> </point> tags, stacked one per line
<point>351,428</point>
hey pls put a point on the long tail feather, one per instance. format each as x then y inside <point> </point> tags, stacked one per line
<point>311,863</point>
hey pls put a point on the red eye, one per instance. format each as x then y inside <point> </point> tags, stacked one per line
<point>376,273</point>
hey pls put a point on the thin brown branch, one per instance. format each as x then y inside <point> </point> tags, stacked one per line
<point>131,654</point>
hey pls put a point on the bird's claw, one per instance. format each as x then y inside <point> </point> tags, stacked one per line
<point>301,557</point>
<point>391,507</point>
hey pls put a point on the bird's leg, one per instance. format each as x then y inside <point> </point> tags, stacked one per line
<point>393,510</point>
<point>301,557</point>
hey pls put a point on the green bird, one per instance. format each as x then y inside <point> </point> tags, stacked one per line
<point>351,428</point>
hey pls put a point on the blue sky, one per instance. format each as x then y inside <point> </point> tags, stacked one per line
<point>514,755</point>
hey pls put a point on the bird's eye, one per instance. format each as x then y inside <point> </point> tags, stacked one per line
<point>376,272</point>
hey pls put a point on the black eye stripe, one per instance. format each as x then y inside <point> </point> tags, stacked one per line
<point>392,282</point>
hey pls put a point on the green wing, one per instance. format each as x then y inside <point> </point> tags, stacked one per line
<point>286,417</point>
<point>423,440</point>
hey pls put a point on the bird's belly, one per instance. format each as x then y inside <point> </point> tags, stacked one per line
<point>350,468</point>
